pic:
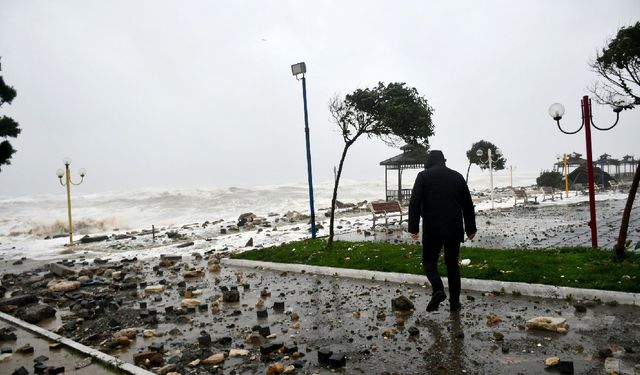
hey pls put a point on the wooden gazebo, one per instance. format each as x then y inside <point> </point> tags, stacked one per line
<point>412,157</point>
<point>605,160</point>
<point>574,160</point>
<point>628,166</point>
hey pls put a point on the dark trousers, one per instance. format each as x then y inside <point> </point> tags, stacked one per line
<point>431,247</point>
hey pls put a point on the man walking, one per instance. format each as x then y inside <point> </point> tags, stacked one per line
<point>441,197</point>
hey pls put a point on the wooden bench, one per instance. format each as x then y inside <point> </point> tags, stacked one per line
<point>522,195</point>
<point>579,188</point>
<point>549,191</point>
<point>385,209</point>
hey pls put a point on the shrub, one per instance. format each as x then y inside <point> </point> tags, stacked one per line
<point>550,178</point>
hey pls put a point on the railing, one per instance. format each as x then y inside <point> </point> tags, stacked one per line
<point>405,195</point>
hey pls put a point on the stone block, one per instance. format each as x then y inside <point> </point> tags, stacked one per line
<point>278,306</point>
<point>338,360</point>
<point>324,355</point>
<point>264,331</point>
<point>231,296</point>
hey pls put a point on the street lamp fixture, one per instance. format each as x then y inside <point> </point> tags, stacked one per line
<point>66,173</point>
<point>556,111</point>
<point>490,160</point>
<point>296,70</point>
<point>299,68</point>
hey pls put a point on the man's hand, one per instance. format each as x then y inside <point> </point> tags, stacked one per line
<point>414,235</point>
<point>470,236</point>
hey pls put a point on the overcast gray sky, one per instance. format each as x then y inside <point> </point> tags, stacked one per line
<point>200,93</point>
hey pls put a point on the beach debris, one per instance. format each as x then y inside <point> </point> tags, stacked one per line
<point>255,339</point>
<point>189,302</point>
<point>238,353</point>
<point>193,274</point>
<point>61,270</point>
<point>580,307</point>
<point>249,243</point>
<point>414,331</point>
<point>465,262</point>
<point>231,296</point>
<point>89,239</point>
<point>35,313</point>
<point>493,319</point>
<point>159,288</point>
<point>612,366</point>
<point>174,235</point>
<point>19,300</point>
<point>401,303</point>
<point>185,244</point>
<point>215,359</point>
<point>389,332</point>
<point>148,358</point>
<point>338,360</point>
<point>24,349</point>
<point>62,285</point>
<point>245,218</point>
<point>276,368</point>
<point>294,216</point>
<point>551,361</point>
<point>127,332</point>
<point>547,323</point>
<point>149,333</point>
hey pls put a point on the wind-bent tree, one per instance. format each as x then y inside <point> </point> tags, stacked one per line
<point>483,161</point>
<point>394,113</point>
<point>8,127</point>
<point>619,65</point>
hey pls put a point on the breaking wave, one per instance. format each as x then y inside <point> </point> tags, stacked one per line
<point>81,226</point>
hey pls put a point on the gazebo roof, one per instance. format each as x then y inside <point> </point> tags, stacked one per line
<point>411,157</point>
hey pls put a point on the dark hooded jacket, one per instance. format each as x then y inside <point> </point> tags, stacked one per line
<point>441,197</point>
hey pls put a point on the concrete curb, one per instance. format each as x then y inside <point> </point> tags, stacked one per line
<point>105,359</point>
<point>533,290</point>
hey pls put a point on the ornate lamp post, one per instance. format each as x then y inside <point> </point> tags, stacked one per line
<point>490,160</point>
<point>66,173</point>
<point>556,111</point>
<point>301,69</point>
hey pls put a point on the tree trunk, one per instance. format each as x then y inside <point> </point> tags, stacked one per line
<point>335,193</point>
<point>624,225</point>
<point>467,178</point>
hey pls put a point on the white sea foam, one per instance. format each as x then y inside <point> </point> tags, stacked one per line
<point>43,215</point>
<point>46,214</point>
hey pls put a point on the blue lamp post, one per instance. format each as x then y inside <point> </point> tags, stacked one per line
<point>301,69</point>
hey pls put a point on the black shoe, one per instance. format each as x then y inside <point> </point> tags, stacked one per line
<point>436,299</point>
<point>455,307</point>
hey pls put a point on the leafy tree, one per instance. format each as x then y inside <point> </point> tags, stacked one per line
<point>8,127</point>
<point>394,113</point>
<point>551,178</point>
<point>483,161</point>
<point>619,65</point>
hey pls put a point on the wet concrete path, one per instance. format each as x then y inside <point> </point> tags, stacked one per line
<point>59,358</point>
<point>353,317</point>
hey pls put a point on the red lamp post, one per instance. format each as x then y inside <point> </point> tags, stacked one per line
<point>557,111</point>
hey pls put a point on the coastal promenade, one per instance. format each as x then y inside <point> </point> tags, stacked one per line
<point>245,319</point>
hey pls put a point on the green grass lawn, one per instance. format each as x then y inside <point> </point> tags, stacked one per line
<point>574,267</point>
